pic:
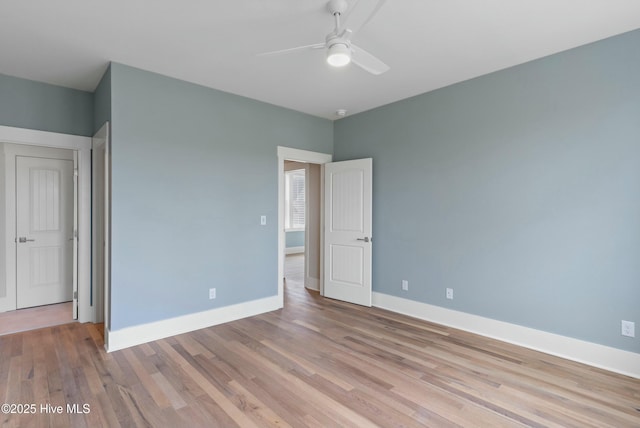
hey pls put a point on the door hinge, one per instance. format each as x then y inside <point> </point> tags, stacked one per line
<point>75,295</point>
<point>75,172</point>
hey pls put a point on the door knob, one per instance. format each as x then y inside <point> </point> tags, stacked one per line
<point>23,239</point>
<point>365,239</point>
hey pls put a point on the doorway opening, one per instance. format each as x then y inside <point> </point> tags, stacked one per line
<point>34,145</point>
<point>297,196</point>
<point>40,228</point>
<point>101,225</point>
<point>300,238</point>
<point>344,226</point>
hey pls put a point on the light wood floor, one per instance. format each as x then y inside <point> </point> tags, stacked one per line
<point>294,270</point>
<point>34,318</point>
<point>318,363</point>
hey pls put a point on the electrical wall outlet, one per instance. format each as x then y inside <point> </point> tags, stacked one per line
<point>450,293</point>
<point>212,293</point>
<point>628,328</point>
<point>263,220</point>
<point>405,285</point>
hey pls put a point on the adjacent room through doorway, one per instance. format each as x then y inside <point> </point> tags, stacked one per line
<point>302,216</point>
<point>38,222</point>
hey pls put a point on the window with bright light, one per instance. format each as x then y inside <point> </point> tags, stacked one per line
<point>294,199</point>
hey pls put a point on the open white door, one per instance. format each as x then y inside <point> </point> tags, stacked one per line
<point>348,241</point>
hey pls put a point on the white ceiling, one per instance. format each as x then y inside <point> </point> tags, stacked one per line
<point>428,43</point>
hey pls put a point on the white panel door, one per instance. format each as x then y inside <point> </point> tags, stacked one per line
<point>44,226</point>
<point>348,240</point>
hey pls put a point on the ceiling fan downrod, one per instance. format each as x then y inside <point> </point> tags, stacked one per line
<point>337,8</point>
<point>338,47</point>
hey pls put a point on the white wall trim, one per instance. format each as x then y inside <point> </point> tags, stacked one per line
<point>604,357</point>
<point>137,335</point>
<point>304,156</point>
<point>31,137</point>
<point>294,250</point>
<point>312,283</point>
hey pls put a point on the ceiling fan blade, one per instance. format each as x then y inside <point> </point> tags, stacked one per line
<point>367,62</point>
<point>292,50</point>
<point>361,12</point>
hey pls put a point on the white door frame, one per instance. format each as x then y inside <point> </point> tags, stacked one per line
<point>101,202</point>
<point>82,145</point>
<point>287,153</point>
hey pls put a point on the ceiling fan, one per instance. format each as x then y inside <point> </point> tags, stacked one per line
<point>340,50</point>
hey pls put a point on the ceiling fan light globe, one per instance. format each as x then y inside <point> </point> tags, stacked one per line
<point>338,55</point>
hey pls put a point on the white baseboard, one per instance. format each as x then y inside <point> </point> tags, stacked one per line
<point>139,334</point>
<point>312,283</point>
<point>294,250</point>
<point>604,357</point>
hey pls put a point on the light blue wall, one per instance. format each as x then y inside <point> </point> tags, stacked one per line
<point>193,169</point>
<point>40,106</point>
<point>519,189</point>
<point>102,101</point>
<point>294,239</point>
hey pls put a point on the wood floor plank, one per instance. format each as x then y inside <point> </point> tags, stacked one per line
<point>310,367</point>
<point>187,387</point>
<point>256,409</point>
<point>227,405</point>
<point>193,346</point>
<point>146,379</point>
<point>338,411</point>
<point>315,363</point>
<point>172,395</point>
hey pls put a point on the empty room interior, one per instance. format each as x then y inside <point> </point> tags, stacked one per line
<point>438,223</point>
